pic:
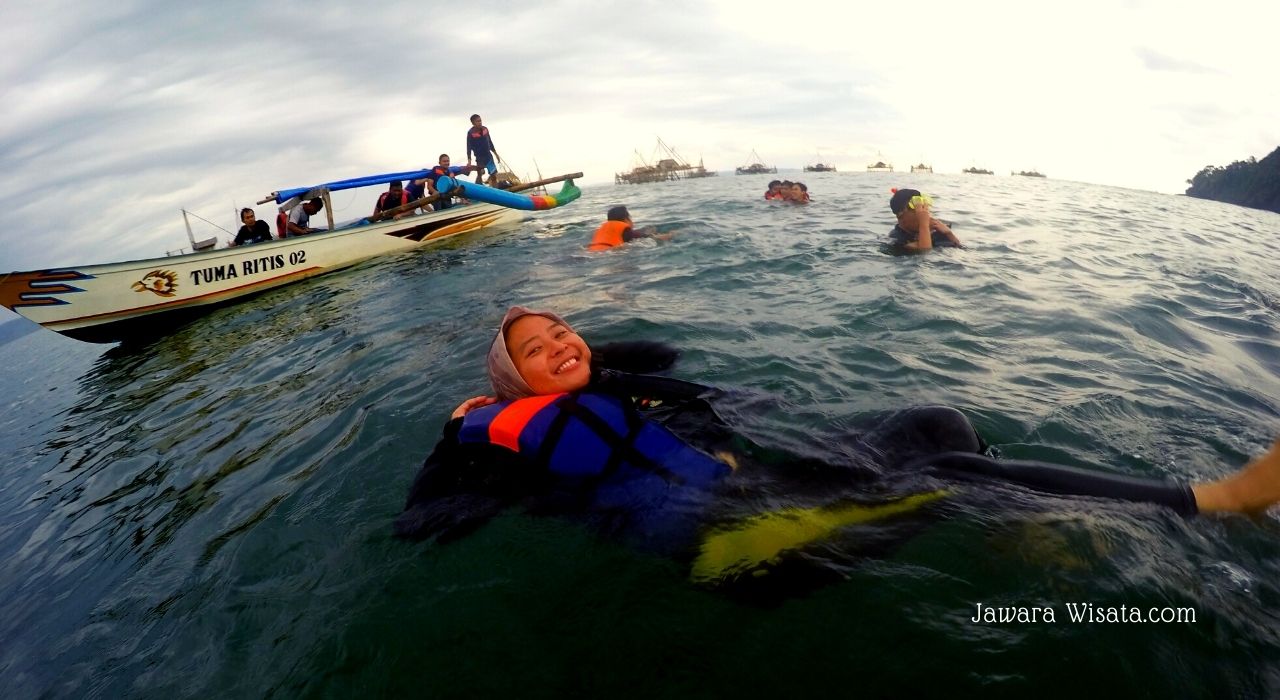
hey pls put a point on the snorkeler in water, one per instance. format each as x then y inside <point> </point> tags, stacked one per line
<point>618,228</point>
<point>917,230</point>
<point>583,432</point>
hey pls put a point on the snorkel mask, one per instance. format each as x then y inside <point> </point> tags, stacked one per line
<point>920,199</point>
<point>908,199</point>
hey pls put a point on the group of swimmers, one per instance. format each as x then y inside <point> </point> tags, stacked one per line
<point>591,433</point>
<point>916,229</point>
<point>787,191</point>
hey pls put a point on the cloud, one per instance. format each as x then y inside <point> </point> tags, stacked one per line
<point>119,114</point>
<point>1154,60</point>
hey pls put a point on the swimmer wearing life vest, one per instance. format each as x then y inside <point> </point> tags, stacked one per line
<point>582,432</point>
<point>917,230</point>
<point>798,193</point>
<point>618,229</point>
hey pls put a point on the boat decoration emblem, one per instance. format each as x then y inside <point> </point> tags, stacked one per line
<point>38,288</point>
<point>162,282</point>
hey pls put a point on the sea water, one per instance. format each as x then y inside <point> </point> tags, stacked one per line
<point>209,514</point>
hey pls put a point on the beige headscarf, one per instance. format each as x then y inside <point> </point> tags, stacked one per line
<point>508,385</point>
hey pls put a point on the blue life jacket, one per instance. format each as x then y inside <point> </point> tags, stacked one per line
<point>601,445</point>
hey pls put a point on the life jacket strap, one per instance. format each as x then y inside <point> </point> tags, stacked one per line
<point>622,447</point>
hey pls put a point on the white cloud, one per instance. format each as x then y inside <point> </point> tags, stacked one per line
<point>119,114</point>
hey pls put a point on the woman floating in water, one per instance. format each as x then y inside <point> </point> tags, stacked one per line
<point>573,431</point>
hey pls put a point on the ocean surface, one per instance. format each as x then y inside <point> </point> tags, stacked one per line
<point>209,515</point>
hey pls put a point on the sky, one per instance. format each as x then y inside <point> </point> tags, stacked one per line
<point>119,114</point>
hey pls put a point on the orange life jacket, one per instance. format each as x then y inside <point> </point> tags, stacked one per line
<point>386,202</point>
<point>609,235</point>
<point>282,224</point>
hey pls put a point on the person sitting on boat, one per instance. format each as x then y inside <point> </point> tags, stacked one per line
<point>254,229</point>
<point>417,189</point>
<point>775,190</point>
<point>481,144</point>
<point>395,196</point>
<point>299,218</point>
<point>618,229</point>
<point>443,169</point>
<point>916,229</point>
<point>583,432</point>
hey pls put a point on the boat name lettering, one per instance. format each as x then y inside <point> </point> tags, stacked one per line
<point>266,263</point>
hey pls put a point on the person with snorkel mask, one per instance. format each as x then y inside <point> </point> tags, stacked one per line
<point>916,229</point>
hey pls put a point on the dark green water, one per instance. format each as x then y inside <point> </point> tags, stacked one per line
<point>209,515</point>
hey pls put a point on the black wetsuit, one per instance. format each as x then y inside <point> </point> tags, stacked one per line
<point>462,485</point>
<point>900,237</point>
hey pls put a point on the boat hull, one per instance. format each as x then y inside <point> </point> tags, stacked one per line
<point>119,301</point>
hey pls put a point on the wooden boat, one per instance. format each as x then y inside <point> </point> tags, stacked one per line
<point>118,301</point>
<point>1027,173</point>
<point>922,168</point>
<point>977,171</point>
<point>755,167</point>
<point>880,167</point>
<point>820,167</point>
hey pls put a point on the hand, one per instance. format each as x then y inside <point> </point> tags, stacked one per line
<point>472,403</point>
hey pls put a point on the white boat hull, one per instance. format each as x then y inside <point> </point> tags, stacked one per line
<point>117,301</point>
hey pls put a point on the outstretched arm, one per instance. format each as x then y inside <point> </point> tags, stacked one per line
<point>1254,488</point>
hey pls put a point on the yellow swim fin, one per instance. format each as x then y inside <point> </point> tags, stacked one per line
<point>762,538</point>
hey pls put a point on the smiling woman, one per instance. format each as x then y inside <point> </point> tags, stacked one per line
<point>547,354</point>
<point>647,458</point>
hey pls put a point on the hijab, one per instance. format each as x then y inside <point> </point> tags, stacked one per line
<point>508,385</point>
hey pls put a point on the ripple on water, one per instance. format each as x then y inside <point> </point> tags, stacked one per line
<point>208,514</point>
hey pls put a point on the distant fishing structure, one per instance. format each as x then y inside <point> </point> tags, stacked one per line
<point>669,166</point>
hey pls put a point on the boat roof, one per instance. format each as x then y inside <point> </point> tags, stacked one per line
<point>352,183</point>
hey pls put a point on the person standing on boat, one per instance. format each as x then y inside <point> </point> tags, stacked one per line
<point>481,144</point>
<point>395,196</point>
<point>300,217</point>
<point>254,229</point>
<point>916,228</point>
<point>443,169</point>
<point>619,229</point>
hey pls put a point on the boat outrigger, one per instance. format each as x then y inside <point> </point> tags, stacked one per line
<point>118,301</point>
